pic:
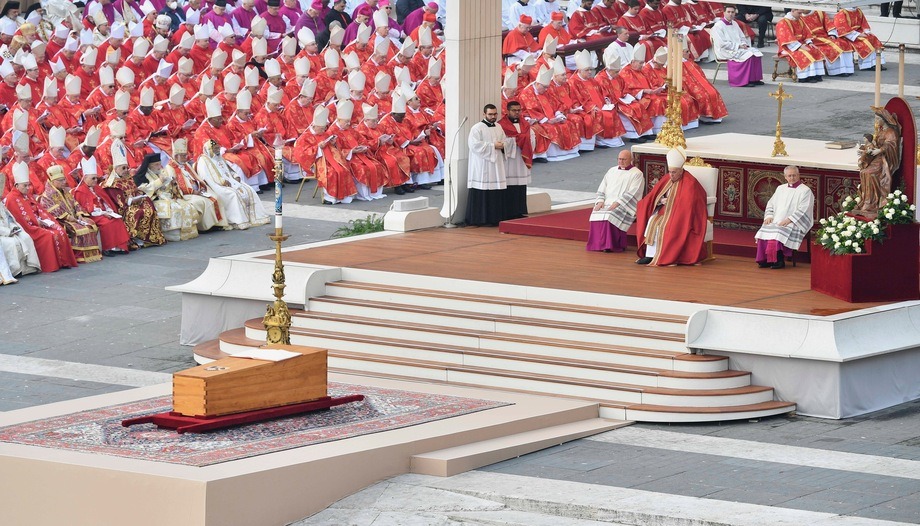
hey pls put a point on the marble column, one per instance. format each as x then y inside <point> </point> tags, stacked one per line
<point>473,39</point>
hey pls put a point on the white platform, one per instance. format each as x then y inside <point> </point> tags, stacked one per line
<point>804,153</point>
<point>42,486</point>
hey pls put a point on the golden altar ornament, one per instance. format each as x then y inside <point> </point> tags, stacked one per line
<point>779,147</point>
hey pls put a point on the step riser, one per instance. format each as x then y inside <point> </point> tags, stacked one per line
<point>420,301</point>
<point>543,387</point>
<point>384,314</point>
<point>613,413</point>
<point>698,383</point>
<point>597,319</point>
<point>498,309</point>
<point>385,369</point>
<point>547,387</point>
<point>512,365</point>
<point>409,333</point>
<point>630,360</point>
<point>655,416</point>
<point>402,333</point>
<point>692,366</point>
<point>485,343</point>
<point>590,337</point>
<point>708,401</point>
<point>232,348</point>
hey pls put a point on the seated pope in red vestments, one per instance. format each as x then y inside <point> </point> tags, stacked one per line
<point>671,219</point>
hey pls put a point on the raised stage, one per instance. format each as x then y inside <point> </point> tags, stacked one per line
<point>485,254</point>
<point>472,306</point>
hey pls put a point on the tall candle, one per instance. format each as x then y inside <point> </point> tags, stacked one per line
<point>279,176</point>
<point>679,64</point>
<point>901,70</point>
<point>878,78</point>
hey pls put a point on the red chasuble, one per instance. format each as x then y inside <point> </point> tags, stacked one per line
<point>683,217</point>
<point>329,167</point>
<point>789,30</point>
<point>706,95</point>
<point>689,111</point>
<point>112,231</point>
<point>588,95</point>
<point>819,25</point>
<point>515,40</point>
<point>394,158</point>
<point>51,243</point>
<point>847,21</point>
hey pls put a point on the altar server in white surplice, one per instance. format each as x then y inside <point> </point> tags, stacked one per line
<point>487,179</point>
<point>240,202</point>
<point>17,247</point>
<point>788,217</point>
<point>744,66</point>
<point>615,207</point>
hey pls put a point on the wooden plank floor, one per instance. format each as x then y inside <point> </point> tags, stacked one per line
<point>483,254</point>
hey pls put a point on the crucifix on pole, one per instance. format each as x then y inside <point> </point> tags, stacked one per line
<point>779,148</point>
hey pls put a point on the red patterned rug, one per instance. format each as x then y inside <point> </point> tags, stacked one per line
<point>100,431</point>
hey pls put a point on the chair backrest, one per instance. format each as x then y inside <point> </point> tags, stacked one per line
<point>707,176</point>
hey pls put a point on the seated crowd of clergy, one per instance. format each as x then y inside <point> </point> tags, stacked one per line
<point>130,124</point>
<point>815,43</point>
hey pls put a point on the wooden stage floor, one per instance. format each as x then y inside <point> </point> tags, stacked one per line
<point>484,254</point>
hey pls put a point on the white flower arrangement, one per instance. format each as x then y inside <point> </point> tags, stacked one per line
<point>844,234</point>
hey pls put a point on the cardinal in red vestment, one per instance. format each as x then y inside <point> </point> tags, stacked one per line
<point>671,219</point>
<point>51,241</point>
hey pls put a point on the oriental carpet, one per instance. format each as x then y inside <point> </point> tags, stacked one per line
<point>100,431</point>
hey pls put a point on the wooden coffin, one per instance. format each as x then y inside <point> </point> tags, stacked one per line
<point>234,385</point>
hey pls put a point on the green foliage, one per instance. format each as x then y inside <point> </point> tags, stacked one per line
<point>356,227</point>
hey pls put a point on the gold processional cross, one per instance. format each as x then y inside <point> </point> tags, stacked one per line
<point>779,148</point>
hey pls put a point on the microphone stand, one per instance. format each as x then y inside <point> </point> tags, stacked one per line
<point>450,179</point>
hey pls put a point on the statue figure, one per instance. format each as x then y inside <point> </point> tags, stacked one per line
<point>879,158</point>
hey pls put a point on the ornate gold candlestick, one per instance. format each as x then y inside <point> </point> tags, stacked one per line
<point>779,147</point>
<point>672,134</point>
<point>277,320</point>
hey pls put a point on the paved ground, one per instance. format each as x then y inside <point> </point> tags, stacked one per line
<point>111,325</point>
